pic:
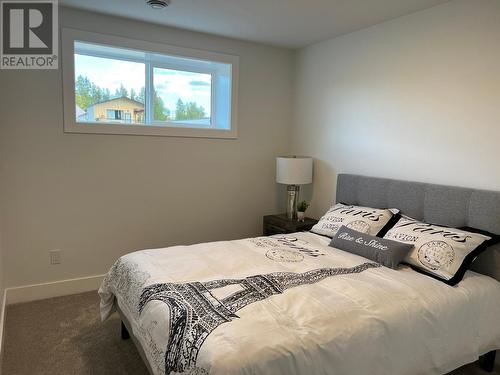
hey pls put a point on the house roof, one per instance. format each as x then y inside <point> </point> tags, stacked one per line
<point>119,97</point>
<point>79,111</point>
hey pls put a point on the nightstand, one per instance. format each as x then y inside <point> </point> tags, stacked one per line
<point>280,224</point>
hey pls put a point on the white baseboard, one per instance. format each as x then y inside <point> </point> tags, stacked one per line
<point>36,292</point>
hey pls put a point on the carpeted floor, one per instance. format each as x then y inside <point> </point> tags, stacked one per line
<point>64,336</point>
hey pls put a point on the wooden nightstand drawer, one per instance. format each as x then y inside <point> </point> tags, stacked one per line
<point>280,224</point>
<point>271,229</point>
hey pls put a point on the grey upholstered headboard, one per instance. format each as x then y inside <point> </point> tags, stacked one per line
<point>436,204</point>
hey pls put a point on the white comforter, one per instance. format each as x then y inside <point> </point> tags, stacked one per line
<point>376,321</point>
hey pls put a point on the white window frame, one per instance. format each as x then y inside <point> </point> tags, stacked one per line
<point>154,128</point>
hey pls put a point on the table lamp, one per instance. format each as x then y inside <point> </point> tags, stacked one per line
<point>293,171</point>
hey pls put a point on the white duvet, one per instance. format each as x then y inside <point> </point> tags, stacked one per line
<point>338,313</point>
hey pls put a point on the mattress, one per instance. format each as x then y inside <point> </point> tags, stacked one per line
<point>294,305</point>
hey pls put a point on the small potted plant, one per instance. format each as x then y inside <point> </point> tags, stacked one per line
<point>301,210</point>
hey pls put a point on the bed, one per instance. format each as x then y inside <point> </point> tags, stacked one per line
<point>294,305</point>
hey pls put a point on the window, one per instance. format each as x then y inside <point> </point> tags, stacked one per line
<point>113,114</point>
<point>189,97</point>
<point>119,86</point>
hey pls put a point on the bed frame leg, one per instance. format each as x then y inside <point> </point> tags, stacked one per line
<point>487,361</point>
<point>125,334</point>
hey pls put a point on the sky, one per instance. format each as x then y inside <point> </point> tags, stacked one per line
<point>169,84</point>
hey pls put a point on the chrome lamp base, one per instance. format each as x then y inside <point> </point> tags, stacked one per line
<point>291,201</point>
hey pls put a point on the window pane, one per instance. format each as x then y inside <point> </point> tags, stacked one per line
<point>109,90</point>
<point>182,97</point>
<point>164,93</point>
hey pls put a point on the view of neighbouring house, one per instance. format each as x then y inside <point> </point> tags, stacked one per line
<point>119,110</point>
<point>81,115</point>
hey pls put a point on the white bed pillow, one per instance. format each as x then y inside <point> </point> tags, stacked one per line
<point>362,219</point>
<point>441,252</point>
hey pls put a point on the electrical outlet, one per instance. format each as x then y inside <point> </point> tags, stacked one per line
<point>55,256</point>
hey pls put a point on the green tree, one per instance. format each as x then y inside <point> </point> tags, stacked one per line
<point>133,95</point>
<point>140,97</point>
<point>83,96</point>
<point>160,113</point>
<point>180,110</point>
<point>188,111</point>
<point>106,94</point>
<point>88,93</point>
<point>96,93</point>
<point>121,92</point>
<point>194,111</point>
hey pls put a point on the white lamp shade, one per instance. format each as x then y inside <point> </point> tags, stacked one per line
<point>294,170</point>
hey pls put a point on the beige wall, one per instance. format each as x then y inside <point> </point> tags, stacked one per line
<point>2,316</point>
<point>414,98</point>
<point>97,197</point>
<point>1,270</point>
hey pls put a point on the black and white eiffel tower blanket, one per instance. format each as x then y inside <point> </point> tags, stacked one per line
<point>195,312</point>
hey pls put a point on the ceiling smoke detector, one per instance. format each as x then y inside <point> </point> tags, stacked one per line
<point>158,4</point>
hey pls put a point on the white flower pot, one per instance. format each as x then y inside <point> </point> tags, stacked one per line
<point>301,215</point>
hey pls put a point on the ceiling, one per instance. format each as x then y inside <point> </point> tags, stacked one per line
<point>287,23</point>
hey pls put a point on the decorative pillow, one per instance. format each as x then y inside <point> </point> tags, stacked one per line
<point>363,219</point>
<point>441,252</point>
<point>495,238</point>
<point>386,252</point>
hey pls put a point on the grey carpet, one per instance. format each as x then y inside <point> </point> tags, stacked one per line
<point>63,336</point>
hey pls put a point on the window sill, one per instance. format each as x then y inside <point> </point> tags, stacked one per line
<point>148,130</point>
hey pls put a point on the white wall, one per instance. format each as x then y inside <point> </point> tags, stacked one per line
<point>97,197</point>
<point>414,98</point>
